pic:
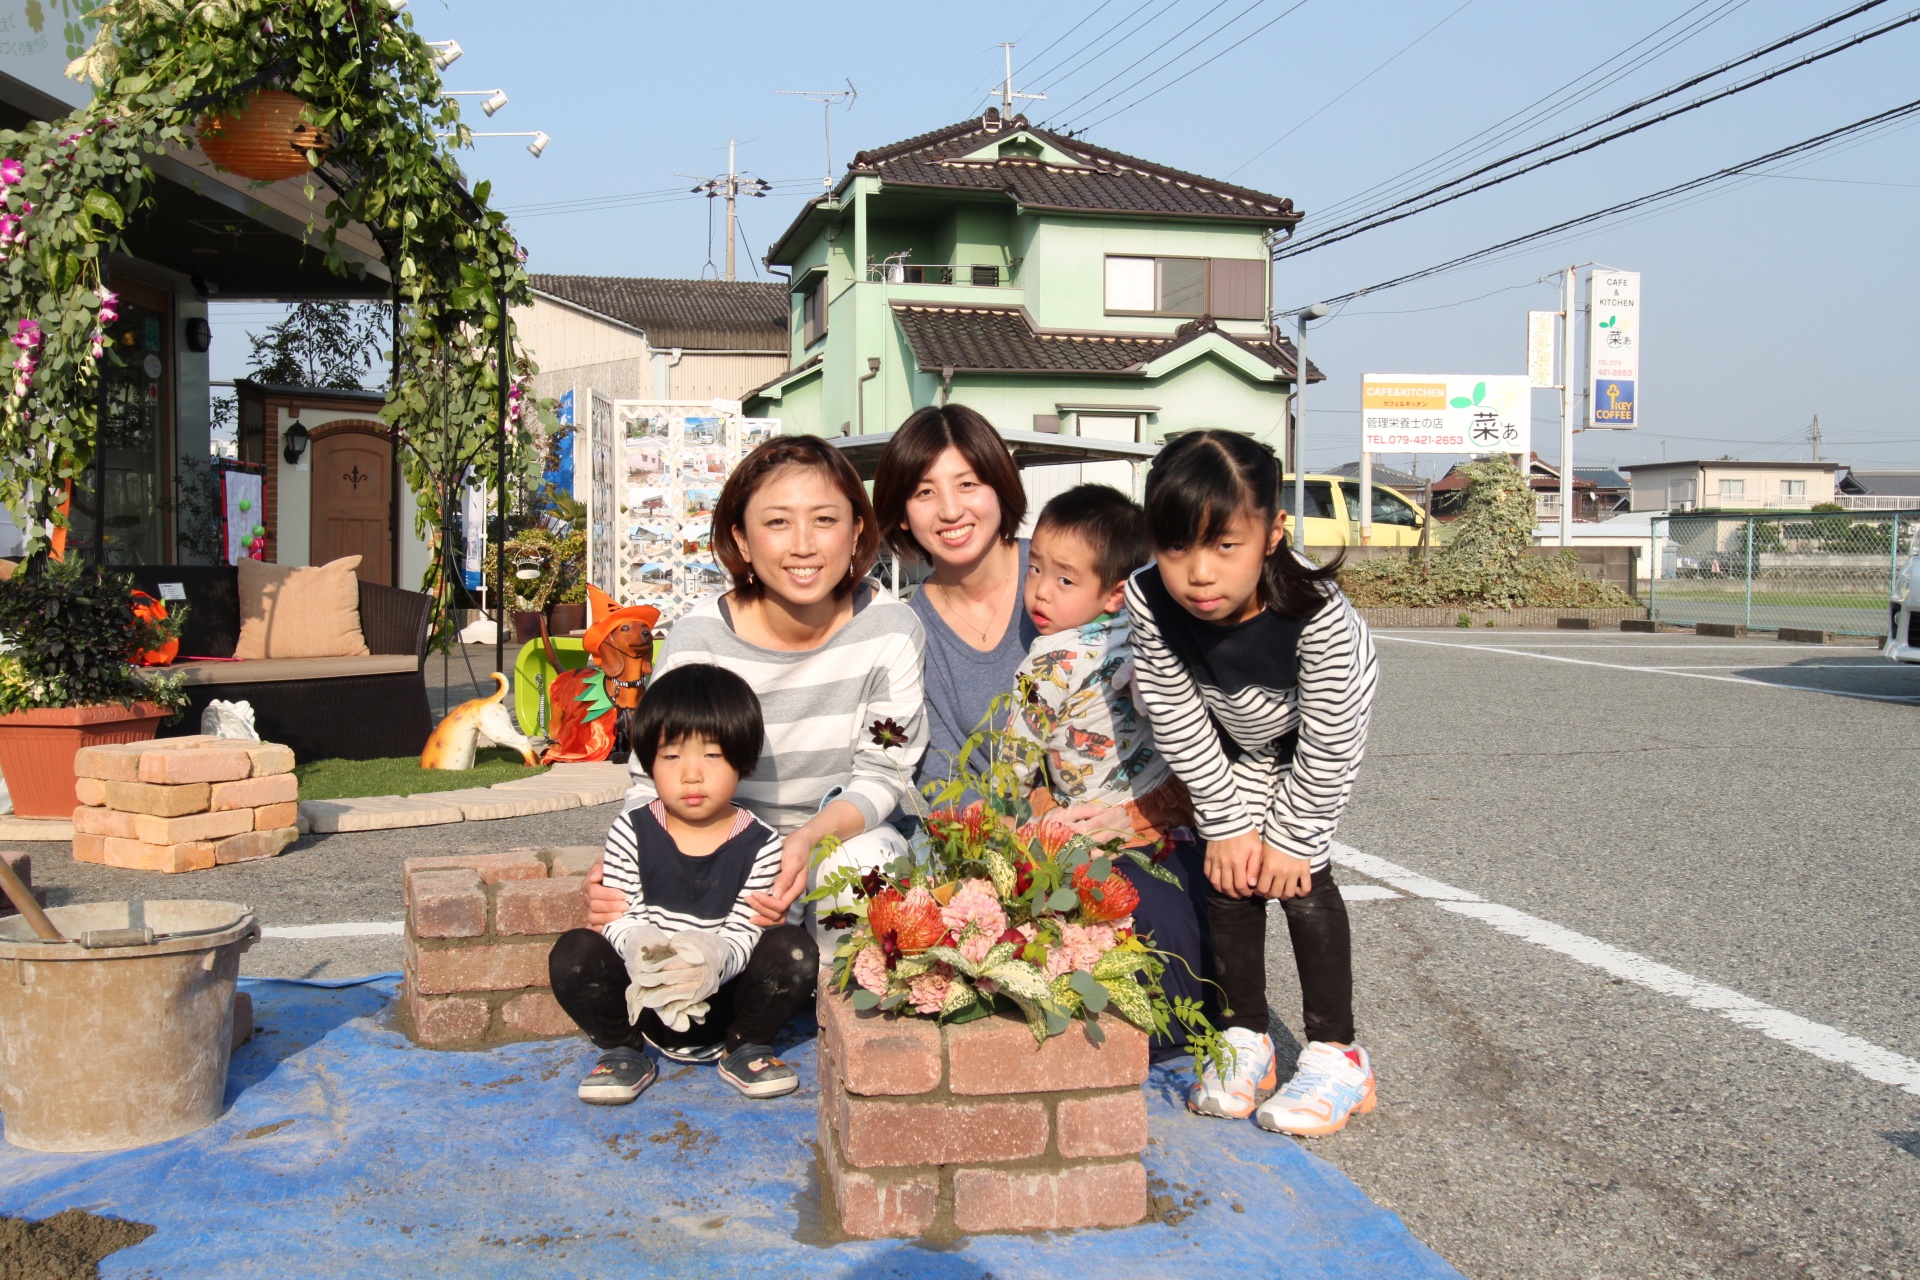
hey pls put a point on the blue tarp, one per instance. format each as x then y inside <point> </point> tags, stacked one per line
<point>346,1150</point>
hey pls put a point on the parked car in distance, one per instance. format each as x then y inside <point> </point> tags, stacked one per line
<point>1333,513</point>
<point>1903,616</point>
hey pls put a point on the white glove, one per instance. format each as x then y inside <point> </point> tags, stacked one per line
<point>675,984</point>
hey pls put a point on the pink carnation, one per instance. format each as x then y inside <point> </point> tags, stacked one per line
<point>928,992</point>
<point>1080,948</point>
<point>975,903</point>
<point>870,970</point>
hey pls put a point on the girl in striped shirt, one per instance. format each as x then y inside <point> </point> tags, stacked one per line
<point>1258,677</point>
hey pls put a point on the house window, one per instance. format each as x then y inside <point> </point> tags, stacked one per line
<point>813,312</point>
<point>1793,488</point>
<point>1226,288</point>
<point>1732,490</point>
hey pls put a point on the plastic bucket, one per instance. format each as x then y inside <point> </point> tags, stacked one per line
<point>118,1046</point>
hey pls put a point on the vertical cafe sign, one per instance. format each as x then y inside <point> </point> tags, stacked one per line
<point>1613,350</point>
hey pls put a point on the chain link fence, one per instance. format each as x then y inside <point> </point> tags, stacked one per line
<point>1822,571</point>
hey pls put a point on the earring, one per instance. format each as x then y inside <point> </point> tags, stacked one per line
<point>849,569</point>
<point>749,577</point>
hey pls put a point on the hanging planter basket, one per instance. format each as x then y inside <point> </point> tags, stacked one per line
<point>267,139</point>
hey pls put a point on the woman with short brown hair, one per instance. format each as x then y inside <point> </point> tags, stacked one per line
<point>829,653</point>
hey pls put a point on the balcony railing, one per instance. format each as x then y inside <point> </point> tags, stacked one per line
<point>1877,501</point>
<point>974,274</point>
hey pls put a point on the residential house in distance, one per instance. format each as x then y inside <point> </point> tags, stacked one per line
<point>633,338</point>
<point>1879,490</point>
<point>1728,484</point>
<point>1611,490</point>
<point>1450,494</point>
<point>1077,297</point>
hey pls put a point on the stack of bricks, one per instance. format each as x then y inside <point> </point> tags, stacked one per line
<point>930,1130</point>
<point>479,927</point>
<point>184,804</point>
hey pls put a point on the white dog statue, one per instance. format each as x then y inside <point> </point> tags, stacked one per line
<point>228,720</point>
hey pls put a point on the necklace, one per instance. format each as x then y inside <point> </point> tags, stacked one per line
<point>947,596</point>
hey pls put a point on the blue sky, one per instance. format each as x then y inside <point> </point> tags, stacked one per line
<point>1764,303</point>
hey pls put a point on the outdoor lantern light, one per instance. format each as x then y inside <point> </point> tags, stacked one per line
<point>449,54</point>
<point>199,334</point>
<point>296,438</point>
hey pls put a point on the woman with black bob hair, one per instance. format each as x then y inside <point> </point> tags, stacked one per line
<point>1258,677</point>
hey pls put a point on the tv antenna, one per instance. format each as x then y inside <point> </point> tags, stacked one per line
<point>826,98</point>
<point>1007,94</point>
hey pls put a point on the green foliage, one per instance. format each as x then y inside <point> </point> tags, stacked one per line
<point>158,68</point>
<point>1486,562</point>
<point>71,632</point>
<point>322,344</point>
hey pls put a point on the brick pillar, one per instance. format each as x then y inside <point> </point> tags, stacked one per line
<point>932,1130</point>
<point>270,484</point>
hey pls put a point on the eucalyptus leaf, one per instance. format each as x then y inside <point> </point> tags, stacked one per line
<point>864,999</point>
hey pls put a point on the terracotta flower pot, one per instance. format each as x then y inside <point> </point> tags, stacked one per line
<point>37,750</point>
<point>564,619</point>
<point>265,140</point>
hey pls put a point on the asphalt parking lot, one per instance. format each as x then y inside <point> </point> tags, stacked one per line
<point>1635,950</point>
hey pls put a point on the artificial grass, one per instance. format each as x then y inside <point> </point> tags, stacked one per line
<point>403,776</point>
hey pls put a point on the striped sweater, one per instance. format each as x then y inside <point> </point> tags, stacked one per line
<point>675,893</point>
<point>1264,720</point>
<point>819,706</point>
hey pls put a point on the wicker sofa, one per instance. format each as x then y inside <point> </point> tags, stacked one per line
<point>324,708</point>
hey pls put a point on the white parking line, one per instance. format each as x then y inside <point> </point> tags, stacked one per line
<point>1658,671</point>
<point>361,929</point>
<point>1827,1043</point>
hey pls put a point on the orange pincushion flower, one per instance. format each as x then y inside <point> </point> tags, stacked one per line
<point>913,919</point>
<point>1046,839</point>
<point>1117,897</point>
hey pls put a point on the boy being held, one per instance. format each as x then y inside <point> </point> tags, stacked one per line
<point>686,968</point>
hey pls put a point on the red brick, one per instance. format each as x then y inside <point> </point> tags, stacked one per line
<point>537,1014</point>
<point>94,821</point>
<point>876,1205</point>
<point>269,816</point>
<point>493,867</point>
<point>447,970</point>
<point>89,848</point>
<point>878,1133</point>
<point>251,793</point>
<point>446,904</point>
<point>138,855</point>
<point>192,826</point>
<point>1112,1124</point>
<point>210,764</point>
<point>254,844</point>
<point>878,1053</point>
<point>90,791</point>
<point>161,801</point>
<point>539,906</point>
<point>1092,1195</point>
<point>998,1055</point>
<point>442,1022</point>
<point>576,859</point>
<point>113,762</point>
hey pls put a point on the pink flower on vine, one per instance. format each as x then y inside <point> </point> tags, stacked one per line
<point>9,226</point>
<point>109,306</point>
<point>97,344</point>
<point>11,171</point>
<point>26,334</point>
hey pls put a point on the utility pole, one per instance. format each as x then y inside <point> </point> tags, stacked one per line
<point>1007,95</point>
<point>1567,288</point>
<point>731,187</point>
<point>1813,434</point>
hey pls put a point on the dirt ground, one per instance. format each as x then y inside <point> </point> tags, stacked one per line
<point>67,1246</point>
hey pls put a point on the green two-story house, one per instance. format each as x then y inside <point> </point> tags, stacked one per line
<point>1061,289</point>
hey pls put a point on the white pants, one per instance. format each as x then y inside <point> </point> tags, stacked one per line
<point>869,849</point>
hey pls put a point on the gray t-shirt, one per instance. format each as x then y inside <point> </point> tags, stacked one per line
<point>962,681</point>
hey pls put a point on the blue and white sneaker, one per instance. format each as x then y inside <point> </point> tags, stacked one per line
<point>1230,1094</point>
<point>1327,1087</point>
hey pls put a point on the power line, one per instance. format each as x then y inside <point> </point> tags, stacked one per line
<point>1072,64</point>
<point>1350,88</point>
<point>1380,217</point>
<point>1886,117</point>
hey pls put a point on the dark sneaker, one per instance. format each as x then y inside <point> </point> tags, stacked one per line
<point>619,1077</point>
<point>754,1071</point>
<point>689,1053</point>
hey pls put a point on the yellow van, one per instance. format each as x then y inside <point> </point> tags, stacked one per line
<point>1333,513</point>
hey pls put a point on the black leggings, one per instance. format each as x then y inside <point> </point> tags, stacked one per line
<point>1322,951</point>
<point>590,981</point>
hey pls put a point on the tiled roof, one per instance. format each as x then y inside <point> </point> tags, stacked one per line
<point>738,315</point>
<point>1602,477</point>
<point>1388,476</point>
<point>1102,180</point>
<point>1004,340</point>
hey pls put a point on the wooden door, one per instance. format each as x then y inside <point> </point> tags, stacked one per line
<point>352,502</point>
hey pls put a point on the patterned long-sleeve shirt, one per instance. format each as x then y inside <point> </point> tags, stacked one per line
<point>675,892</point>
<point>1264,720</point>
<point>819,706</point>
<point>1077,715</point>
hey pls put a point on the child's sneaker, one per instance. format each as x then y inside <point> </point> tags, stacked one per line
<point>1230,1094</point>
<point>754,1071</point>
<point>696,1053</point>
<point>1327,1087</point>
<point>620,1076</point>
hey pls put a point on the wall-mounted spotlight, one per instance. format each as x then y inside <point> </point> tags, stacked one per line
<point>495,98</point>
<point>449,54</point>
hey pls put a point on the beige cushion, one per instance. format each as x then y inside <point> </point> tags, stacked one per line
<point>300,611</point>
<point>258,670</point>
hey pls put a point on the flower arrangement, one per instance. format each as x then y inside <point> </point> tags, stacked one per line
<point>72,633</point>
<point>995,910</point>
